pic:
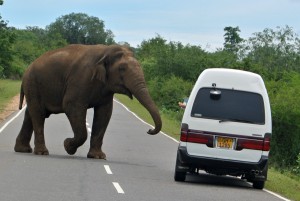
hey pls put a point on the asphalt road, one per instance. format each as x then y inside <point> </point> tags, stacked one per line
<point>139,167</point>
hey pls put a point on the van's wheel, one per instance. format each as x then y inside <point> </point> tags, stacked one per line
<point>179,176</point>
<point>259,184</point>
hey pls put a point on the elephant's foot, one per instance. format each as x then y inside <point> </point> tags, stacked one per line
<point>68,146</point>
<point>24,148</point>
<point>41,150</point>
<point>96,155</point>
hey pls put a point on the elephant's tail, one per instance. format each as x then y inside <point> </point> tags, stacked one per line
<point>21,97</point>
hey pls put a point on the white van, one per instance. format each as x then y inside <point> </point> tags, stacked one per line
<point>226,127</point>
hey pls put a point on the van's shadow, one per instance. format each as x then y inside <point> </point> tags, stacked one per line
<point>214,180</point>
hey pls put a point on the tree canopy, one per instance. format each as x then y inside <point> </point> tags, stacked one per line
<point>79,28</point>
<point>232,39</point>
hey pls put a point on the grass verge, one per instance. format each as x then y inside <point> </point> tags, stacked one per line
<point>285,184</point>
<point>8,89</point>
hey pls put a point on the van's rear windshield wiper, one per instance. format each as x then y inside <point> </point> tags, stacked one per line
<point>236,120</point>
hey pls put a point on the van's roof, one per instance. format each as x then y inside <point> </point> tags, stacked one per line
<point>231,79</point>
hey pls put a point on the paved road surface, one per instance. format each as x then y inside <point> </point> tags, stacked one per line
<point>139,167</point>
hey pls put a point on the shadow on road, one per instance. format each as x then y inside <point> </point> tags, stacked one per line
<point>208,179</point>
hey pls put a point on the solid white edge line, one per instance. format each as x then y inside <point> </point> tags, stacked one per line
<point>275,194</point>
<point>285,199</point>
<point>7,123</point>
<point>118,187</point>
<point>107,169</point>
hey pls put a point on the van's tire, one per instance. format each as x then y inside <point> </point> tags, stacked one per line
<point>179,176</point>
<point>258,184</point>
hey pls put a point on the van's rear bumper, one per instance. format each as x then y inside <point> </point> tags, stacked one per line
<point>220,166</point>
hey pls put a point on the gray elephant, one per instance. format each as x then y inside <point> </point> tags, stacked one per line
<point>72,79</point>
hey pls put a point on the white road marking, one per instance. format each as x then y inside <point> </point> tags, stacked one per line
<point>118,187</point>
<point>275,194</point>
<point>89,129</point>
<point>5,125</point>
<point>107,169</point>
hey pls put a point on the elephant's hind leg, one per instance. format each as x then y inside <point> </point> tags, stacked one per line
<point>24,137</point>
<point>38,121</point>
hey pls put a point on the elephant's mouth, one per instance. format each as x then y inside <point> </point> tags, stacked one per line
<point>125,91</point>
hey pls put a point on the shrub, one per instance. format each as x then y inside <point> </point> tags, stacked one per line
<point>285,104</point>
<point>168,92</point>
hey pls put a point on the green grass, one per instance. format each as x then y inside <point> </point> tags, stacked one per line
<point>8,89</point>
<point>284,184</point>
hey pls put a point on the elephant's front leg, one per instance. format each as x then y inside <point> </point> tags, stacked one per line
<point>102,115</point>
<point>76,116</point>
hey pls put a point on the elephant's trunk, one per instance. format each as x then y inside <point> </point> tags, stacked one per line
<point>141,93</point>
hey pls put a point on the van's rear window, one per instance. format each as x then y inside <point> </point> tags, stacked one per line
<point>231,105</point>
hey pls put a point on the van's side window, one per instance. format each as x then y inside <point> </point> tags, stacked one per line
<point>231,105</point>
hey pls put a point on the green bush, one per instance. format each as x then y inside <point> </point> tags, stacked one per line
<point>168,92</point>
<point>296,169</point>
<point>285,104</point>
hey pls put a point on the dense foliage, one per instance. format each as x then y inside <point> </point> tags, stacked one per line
<point>172,68</point>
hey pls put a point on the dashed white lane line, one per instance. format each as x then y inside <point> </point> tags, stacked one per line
<point>118,187</point>
<point>116,184</point>
<point>107,169</point>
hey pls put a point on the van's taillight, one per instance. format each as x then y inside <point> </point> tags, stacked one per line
<point>267,142</point>
<point>256,144</point>
<point>184,132</point>
<point>201,139</point>
<point>195,137</point>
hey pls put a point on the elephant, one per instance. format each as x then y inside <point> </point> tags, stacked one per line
<point>73,79</point>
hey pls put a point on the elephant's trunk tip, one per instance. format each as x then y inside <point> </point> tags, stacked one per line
<point>156,130</point>
<point>152,132</point>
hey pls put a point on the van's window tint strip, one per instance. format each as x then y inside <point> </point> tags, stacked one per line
<point>232,105</point>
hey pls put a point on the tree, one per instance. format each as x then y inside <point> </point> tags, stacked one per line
<point>7,38</point>
<point>161,59</point>
<point>79,28</point>
<point>275,50</point>
<point>232,39</point>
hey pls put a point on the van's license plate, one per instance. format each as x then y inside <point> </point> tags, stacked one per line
<point>225,142</point>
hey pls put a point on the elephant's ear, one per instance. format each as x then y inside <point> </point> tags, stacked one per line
<point>99,71</point>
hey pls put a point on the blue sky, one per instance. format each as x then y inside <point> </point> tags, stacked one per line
<point>197,22</point>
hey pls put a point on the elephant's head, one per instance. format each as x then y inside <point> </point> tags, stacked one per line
<point>124,75</point>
